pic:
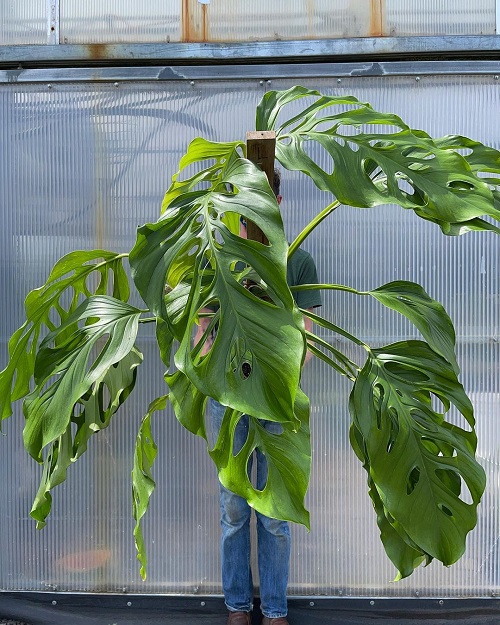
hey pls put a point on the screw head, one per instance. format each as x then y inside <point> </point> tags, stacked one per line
<point>203,604</point>
<point>372,602</point>
<point>311,603</point>
<point>54,603</point>
<point>129,603</point>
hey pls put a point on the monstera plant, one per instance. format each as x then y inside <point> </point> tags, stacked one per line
<point>75,360</point>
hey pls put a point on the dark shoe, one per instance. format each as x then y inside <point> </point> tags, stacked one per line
<point>275,621</point>
<point>239,618</point>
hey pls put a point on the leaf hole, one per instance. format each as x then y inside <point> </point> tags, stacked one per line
<point>464,151</point>
<point>320,155</point>
<point>412,481</point>
<point>460,185</point>
<point>246,370</point>
<point>445,509</point>
<point>348,130</point>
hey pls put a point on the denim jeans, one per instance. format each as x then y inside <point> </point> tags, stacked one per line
<point>273,536</point>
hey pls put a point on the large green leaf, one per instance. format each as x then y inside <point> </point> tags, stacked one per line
<point>288,457</point>
<point>428,315</point>
<point>422,466</point>
<point>408,299</point>
<point>377,159</point>
<point>106,337</point>
<point>288,453</point>
<point>69,281</point>
<point>143,483</point>
<point>92,413</point>
<point>402,552</point>
<point>194,249</point>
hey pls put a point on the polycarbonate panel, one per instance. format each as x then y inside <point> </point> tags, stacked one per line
<point>120,21</point>
<point>439,17</point>
<point>23,22</point>
<point>87,164</point>
<point>107,21</point>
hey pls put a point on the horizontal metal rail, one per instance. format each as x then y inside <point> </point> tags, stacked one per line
<point>261,73</point>
<point>477,46</point>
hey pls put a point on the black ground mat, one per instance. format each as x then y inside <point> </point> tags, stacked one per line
<point>40,608</point>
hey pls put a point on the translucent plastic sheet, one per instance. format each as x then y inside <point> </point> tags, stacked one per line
<point>168,21</point>
<point>88,163</point>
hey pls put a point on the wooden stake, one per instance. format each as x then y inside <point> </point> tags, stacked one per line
<point>261,145</point>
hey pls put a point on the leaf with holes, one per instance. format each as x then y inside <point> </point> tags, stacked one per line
<point>195,249</point>
<point>68,283</point>
<point>288,459</point>
<point>106,335</point>
<point>377,159</point>
<point>288,454</point>
<point>422,466</point>
<point>402,552</point>
<point>92,413</point>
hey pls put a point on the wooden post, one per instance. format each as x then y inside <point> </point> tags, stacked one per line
<point>261,145</point>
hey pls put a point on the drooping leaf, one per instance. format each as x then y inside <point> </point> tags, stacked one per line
<point>92,413</point>
<point>288,454</point>
<point>377,159</point>
<point>412,301</point>
<point>107,336</point>
<point>428,315</point>
<point>422,466</point>
<point>402,552</point>
<point>143,484</point>
<point>69,281</point>
<point>254,363</point>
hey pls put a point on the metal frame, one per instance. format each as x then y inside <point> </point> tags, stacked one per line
<point>262,73</point>
<point>53,22</point>
<point>480,46</point>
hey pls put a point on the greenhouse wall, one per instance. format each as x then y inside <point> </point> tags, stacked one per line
<point>85,161</point>
<point>170,21</point>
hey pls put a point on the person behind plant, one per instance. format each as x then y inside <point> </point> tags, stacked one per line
<point>273,535</point>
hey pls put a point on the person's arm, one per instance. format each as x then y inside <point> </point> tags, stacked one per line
<point>203,324</point>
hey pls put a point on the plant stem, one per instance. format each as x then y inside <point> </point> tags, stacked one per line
<point>311,226</point>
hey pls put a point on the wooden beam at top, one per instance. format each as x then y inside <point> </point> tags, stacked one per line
<point>261,145</point>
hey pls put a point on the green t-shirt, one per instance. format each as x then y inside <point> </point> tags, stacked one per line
<point>301,269</point>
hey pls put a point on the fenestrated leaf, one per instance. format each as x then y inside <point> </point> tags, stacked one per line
<point>143,484</point>
<point>254,363</point>
<point>71,277</point>
<point>77,362</point>
<point>377,159</point>
<point>402,552</point>
<point>288,454</point>
<point>421,465</point>
<point>97,407</point>
<point>428,315</point>
<point>108,393</point>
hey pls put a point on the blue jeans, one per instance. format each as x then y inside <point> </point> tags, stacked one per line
<point>273,536</point>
